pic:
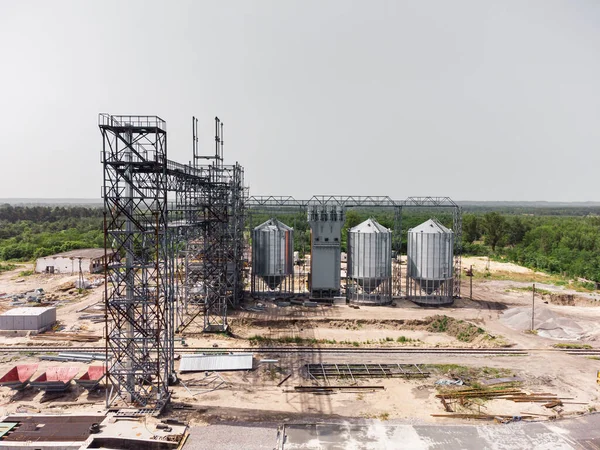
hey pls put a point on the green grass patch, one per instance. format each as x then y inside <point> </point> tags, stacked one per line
<point>26,273</point>
<point>572,346</point>
<point>297,340</point>
<point>530,289</point>
<point>460,329</point>
<point>6,267</point>
<point>466,372</point>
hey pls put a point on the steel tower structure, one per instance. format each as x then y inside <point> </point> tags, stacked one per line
<point>214,248</point>
<point>147,213</point>
<point>138,341</point>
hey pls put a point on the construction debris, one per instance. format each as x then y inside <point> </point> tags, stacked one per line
<point>210,383</point>
<point>447,382</point>
<point>65,336</point>
<point>463,395</point>
<point>353,371</point>
<point>495,381</point>
<point>553,404</point>
<point>479,393</point>
<point>331,389</point>
<point>500,418</point>
<point>75,357</point>
<point>284,380</point>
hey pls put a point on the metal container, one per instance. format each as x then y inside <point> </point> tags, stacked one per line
<point>272,257</point>
<point>369,263</point>
<point>430,260</point>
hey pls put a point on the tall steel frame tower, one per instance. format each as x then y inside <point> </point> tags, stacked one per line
<point>213,275</point>
<point>138,296</point>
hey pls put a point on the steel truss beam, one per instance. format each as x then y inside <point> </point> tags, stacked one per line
<point>353,371</point>
<point>286,203</point>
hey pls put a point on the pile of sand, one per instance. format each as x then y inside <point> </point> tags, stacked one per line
<point>547,323</point>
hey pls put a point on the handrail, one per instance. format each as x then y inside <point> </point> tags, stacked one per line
<point>109,120</point>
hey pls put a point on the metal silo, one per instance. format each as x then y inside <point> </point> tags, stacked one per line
<point>430,264</point>
<point>272,259</point>
<point>369,264</point>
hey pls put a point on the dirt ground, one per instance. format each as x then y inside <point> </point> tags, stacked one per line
<point>256,396</point>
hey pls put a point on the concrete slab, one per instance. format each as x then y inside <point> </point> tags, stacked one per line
<point>522,435</point>
<point>444,437</point>
<point>569,434</point>
<point>376,435</point>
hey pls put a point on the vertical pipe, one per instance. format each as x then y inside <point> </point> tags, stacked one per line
<point>221,138</point>
<point>129,261</point>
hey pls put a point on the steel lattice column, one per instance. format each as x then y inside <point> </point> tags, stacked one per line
<point>139,299</point>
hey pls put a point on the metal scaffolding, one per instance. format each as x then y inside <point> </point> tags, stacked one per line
<point>213,262</point>
<point>139,343</point>
<point>173,227</point>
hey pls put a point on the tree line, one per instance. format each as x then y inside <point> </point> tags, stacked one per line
<point>568,245</point>
<point>31,232</point>
<point>563,245</point>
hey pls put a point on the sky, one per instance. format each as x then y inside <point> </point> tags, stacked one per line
<point>471,99</point>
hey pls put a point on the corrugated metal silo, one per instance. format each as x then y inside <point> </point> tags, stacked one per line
<point>369,263</point>
<point>430,269</point>
<point>272,259</point>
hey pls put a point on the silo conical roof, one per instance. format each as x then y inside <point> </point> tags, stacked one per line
<point>431,226</point>
<point>273,224</point>
<point>369,226</point>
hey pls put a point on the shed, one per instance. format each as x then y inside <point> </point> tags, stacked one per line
<point>216,363</point>
<point>31,319</point>
<point>91,260</point>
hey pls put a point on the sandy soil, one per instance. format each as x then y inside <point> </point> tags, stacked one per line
<point>70,303</point>
<point>255,396</point>
<point>481,264</point>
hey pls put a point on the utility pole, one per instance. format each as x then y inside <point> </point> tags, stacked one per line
<point>469,273</point>
<point>533,307</point>
<point>471,283</point>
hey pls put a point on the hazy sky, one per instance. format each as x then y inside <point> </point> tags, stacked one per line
<point>477,100</point>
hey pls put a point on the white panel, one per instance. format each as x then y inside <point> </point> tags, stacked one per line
<point>201,363</point>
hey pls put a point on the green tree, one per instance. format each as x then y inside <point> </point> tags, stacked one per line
<point>494,226</point>
<point>516,231</point>
<point>471,228</point>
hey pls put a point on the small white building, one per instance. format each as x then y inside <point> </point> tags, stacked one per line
<point>91,260</point>
<point>30,319</point>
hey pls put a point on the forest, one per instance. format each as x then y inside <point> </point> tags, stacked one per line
<point>555,240</point>
<point>28,232</point>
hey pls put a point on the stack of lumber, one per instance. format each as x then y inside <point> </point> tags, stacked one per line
<point>65,336</point>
